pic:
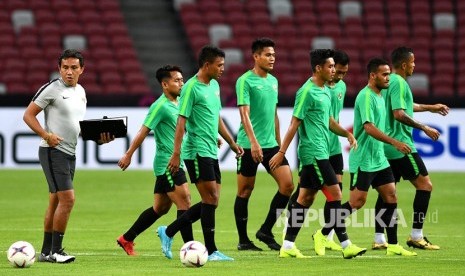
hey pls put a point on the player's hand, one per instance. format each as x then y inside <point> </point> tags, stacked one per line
<point>276,160</point>
<point>402,147</point>
<point>53,140</point>
<point>256,152</point>
<point>174,163</point>
<point>352,141</point>
<point>237,149</point>
<point>442,109</point>
<point>432,133</point>
<point>219,143</point>
<point>124,162</point>
<point>105,137</point>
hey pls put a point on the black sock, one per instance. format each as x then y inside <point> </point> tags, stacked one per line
<point>420,207</point>
<point>57,240</point>
<point>294,197</point>
<point>189,216</point>
<point>207,219</point>
<point>277,206</point>
<point>378,206</point>
<point>390,220</point>
<point>144,221</point>
<point>293,223</point>
<point>327,217</point>
<point>47,244</point>
<point>335,215</point>
<point>186,231</point>
<point>241,216</point>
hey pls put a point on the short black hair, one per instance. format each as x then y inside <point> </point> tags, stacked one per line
<point>71,53</point>
<point>209,53</point>
<point>341,57</point>
<point>260,43</point>
<point>400,55</point>
<point>319,57</point>
<point>165,72</point>
<point>374,64</point>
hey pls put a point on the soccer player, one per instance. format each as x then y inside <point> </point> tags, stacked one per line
<point>312,118</point>
<point>400,124</point>
<point>64,103</point>
<point>368,164</point>
<point>257,98</point>
<point>199,114</point>
<point>169,187</point>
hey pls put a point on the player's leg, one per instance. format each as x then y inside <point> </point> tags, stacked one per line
<point>180,196</point>
<point>337,163</point>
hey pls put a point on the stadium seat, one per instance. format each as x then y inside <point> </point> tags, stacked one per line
<point>89,16</point>
<point>78,42</point>
<point>108,5</point>
<point>3,89</point>
<point>323,42</point>
<point>219,32</point>
<point>442,85</point>
<point>22,18</point>
<point>350,9</point>
<point>19,88</point>
<point>233,56</point>
<point>232,6</point>
<point>444,21</point>
<point>279,8</point>
<point>443,6</point>
<point>66,16</point>
<point>60,5</point>
<point>209,6</point>
<point>43,16</point>
<point>177,4</point>
<point>419,83</point>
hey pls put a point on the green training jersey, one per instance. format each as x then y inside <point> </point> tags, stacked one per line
<point>162,118</point>
<point>200,103</point>
<point>369,155</point>
<point>261,95</point>
<point>312,106</point>
<point>398,96</point>
<point>338,93</point>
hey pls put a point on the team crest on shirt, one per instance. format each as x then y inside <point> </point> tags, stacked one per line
<point>217,93</point>
<point>339,96</point>
<point>275,87</point>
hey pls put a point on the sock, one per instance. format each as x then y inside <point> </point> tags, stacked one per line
<point>330,236</point>
<point>295,221</point>
<point>47,244</point>
<point>277,206</point>
<point>336,221</point>
<point>416,234</point>
<point>345,243</point>
<point>288,244</point>
<point>420,207</point>
<point>241,215</point>
<point>294,197</point>
<point>380,238</point>
<point>144,221</point>
<point>379,204</point>
<point>207,219</point>
<point>57,240</point>
<point>186,231</point>
<point>390,221</point>
<point>327,217</point>
<point>188,217</point>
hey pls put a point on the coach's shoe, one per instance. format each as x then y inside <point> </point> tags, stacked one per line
<point>44,258</point>
<point>128,246</point>
<point>61,257</point>
<point>379,246</point>
<point>423,243</point>
<point>397,249</point>
<point>268,239</point>
<point>218,256</point>
<point>165,242</point>
<point>332,245</point>
<point>248,246</point>
<point>353,251</point>
<point>320,243</point>
<point>292,253</point>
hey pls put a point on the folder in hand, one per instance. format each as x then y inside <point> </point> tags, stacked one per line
<point>116,126</point>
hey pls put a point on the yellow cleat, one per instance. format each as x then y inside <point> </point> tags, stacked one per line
<point>353,251</point>
<point>397,249</point>
<point>292,253</point>
<point>379,246</point>
<point>423,243</point>
<point>320,243</point>
<point>332,245</point>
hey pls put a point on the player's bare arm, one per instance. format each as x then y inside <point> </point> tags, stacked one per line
<point>441,109</point>
<point>175,160</point>
<point>401,116</point>
<point>255,148</point>
<point>223,131</point>
<point>374,132</point>
<point>276,127</point>
<point>337,129</point>
<point>125,161</point>
<point>277,159</point>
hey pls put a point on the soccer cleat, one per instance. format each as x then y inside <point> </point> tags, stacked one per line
<point>379,246</point>
<point>218,256</point>
<point>44,258</point>
<point>320,243</point>
<point>165,242</point>
<point>61,257</point>
<point>423,243</point>
<point>268,239</point>
<point>397,249</point>
<point>353,251</point>
<point>128,246</point>
<point>248,246</point>
<point>332,245</point>
<point>292,253</point>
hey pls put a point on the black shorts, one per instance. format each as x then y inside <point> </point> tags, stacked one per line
<point>247,167</point>
<point>58,168</point>
<point>337,162</point>
<point>165,183</point>
<point>362,180</point>
<point>203,168</point>
<point>315,175</point>
<point>409,167</point>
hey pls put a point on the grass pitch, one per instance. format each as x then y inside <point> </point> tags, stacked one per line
<point>108,202</point>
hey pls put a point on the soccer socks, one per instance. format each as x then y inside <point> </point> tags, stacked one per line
<point>186,231</point>
<point>277,206</point>
<point>57,240</point>
<point>420,207</point>
<point>294,197</point>
<point>295,220</point>
<point>144,221</point>
<point>188,217</point>
<point>207,219</point>
<point>47,243</point>
<point>241,216</point>
<point>379,204</point>
<point>390,221</point>
<point>334,219</point>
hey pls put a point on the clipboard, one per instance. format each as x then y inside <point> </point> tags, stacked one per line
<point>91,129</point>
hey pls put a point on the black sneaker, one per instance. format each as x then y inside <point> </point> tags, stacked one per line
<point>248,246</point>
<point>61,257</point>
<point>268,239</point>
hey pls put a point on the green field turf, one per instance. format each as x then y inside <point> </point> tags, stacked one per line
<point>108,202</point>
